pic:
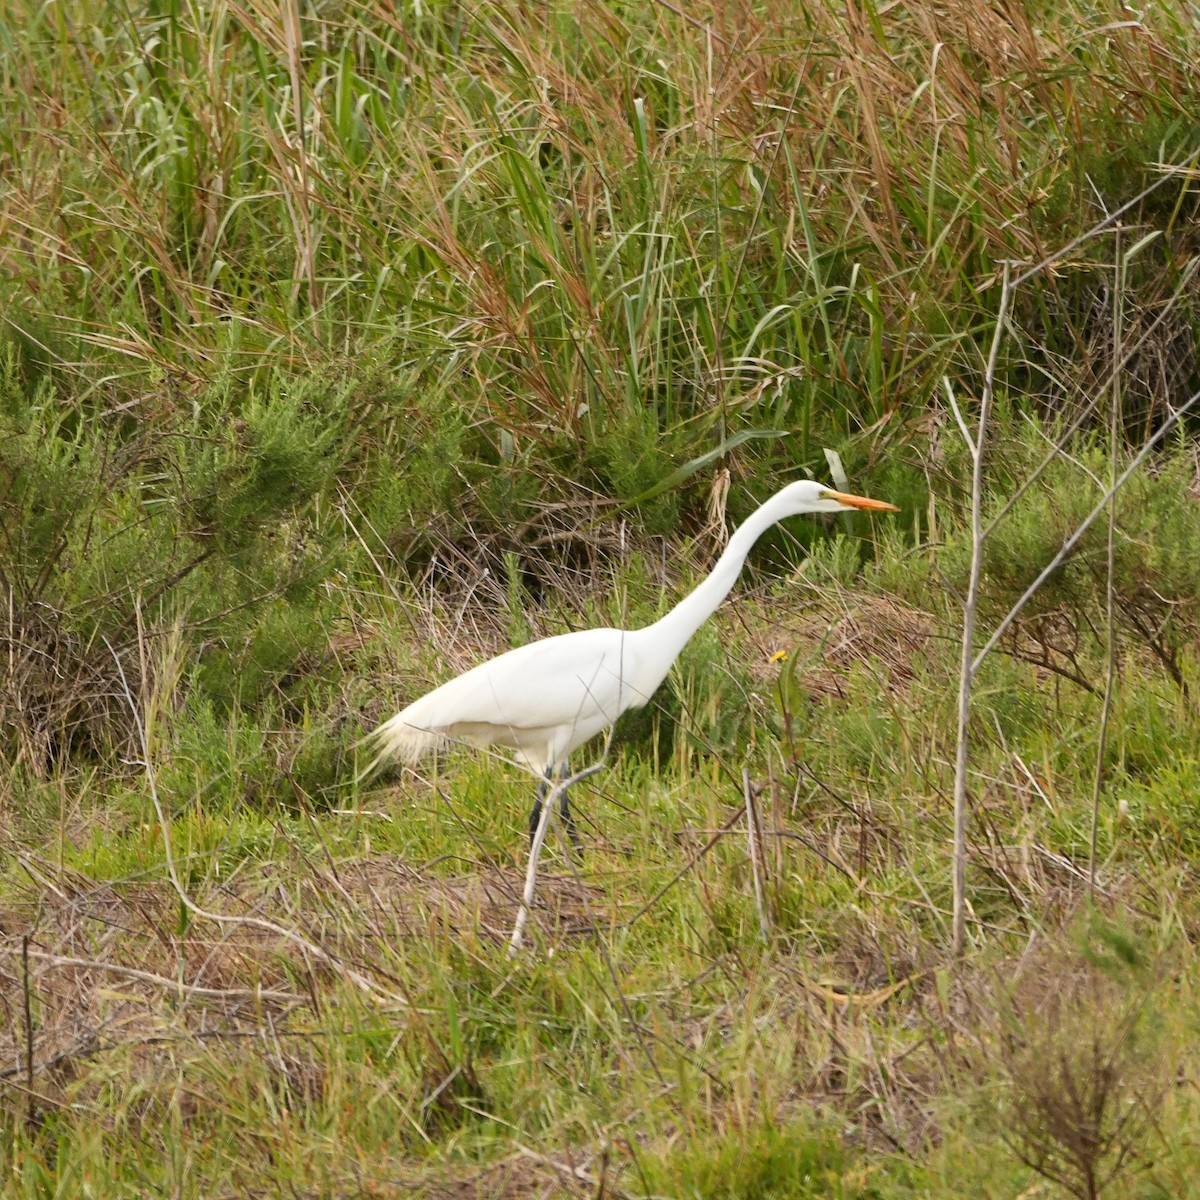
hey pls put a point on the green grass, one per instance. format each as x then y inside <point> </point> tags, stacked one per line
<point>343,346</point>
<point>665,1046</point>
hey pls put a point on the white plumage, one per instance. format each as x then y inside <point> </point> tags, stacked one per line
<point>542,700</point>
<point>546,699</point>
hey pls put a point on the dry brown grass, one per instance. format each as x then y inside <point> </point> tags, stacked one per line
<point>479,904</point>
<point>107,965</point>
<point>837,634</point>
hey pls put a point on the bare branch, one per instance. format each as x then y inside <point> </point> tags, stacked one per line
<point>962,424</point>
<point>1114,411</point>
<point>1084,526</point>
<point>970,607</point>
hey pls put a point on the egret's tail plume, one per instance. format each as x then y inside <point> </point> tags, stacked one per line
<point>399,740</point>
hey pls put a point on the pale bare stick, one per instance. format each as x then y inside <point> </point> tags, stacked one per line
<point>1110,671</point>
<point>967,667</point>
<point>751,836</point>
<point>539,840</point>
<point>970,664</point>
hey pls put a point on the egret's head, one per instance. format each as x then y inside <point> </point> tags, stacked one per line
<point>808,496</point>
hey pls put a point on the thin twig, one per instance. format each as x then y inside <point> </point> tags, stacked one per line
<point>753,840</point>
<point>1110,669</point>
<point>962,424</point>
<point>687,866</point>
<point>970,607</point>
<point>1075,538</point>
<point>31,1110</point>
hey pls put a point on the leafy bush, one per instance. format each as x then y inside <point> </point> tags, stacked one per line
<point>113,531</point>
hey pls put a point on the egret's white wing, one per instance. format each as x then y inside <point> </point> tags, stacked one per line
<point>551,695</point>
<point>548,683</point>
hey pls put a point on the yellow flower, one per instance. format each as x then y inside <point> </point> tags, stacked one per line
<point>779,656</point>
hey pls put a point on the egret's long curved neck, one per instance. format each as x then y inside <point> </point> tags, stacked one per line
<point>671,633</point>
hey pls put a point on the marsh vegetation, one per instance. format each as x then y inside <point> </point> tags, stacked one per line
<point>345,344</point>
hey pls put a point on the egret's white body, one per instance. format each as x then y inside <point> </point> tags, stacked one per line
<point>546,699</point>
<point>542,700</point>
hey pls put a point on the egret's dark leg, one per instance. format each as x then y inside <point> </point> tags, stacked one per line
<point>539,797</point>
<point>565,809</point>
<point>543,788</point>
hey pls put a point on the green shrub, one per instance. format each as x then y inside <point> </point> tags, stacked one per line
<point>763,1162</point>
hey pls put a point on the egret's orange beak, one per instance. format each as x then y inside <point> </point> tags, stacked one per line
<point>861,502</point>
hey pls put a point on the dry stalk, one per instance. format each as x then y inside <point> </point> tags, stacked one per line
<point>754,839</point>
<point>31,1111</point>
<point>1109,583</point>
<point>687,866</point>
<point>967,668</point>
<point>539,840</point>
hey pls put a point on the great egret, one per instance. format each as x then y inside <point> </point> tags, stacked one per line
<point>546,699</point>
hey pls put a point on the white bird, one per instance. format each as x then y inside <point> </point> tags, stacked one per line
<point>546,699</point>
